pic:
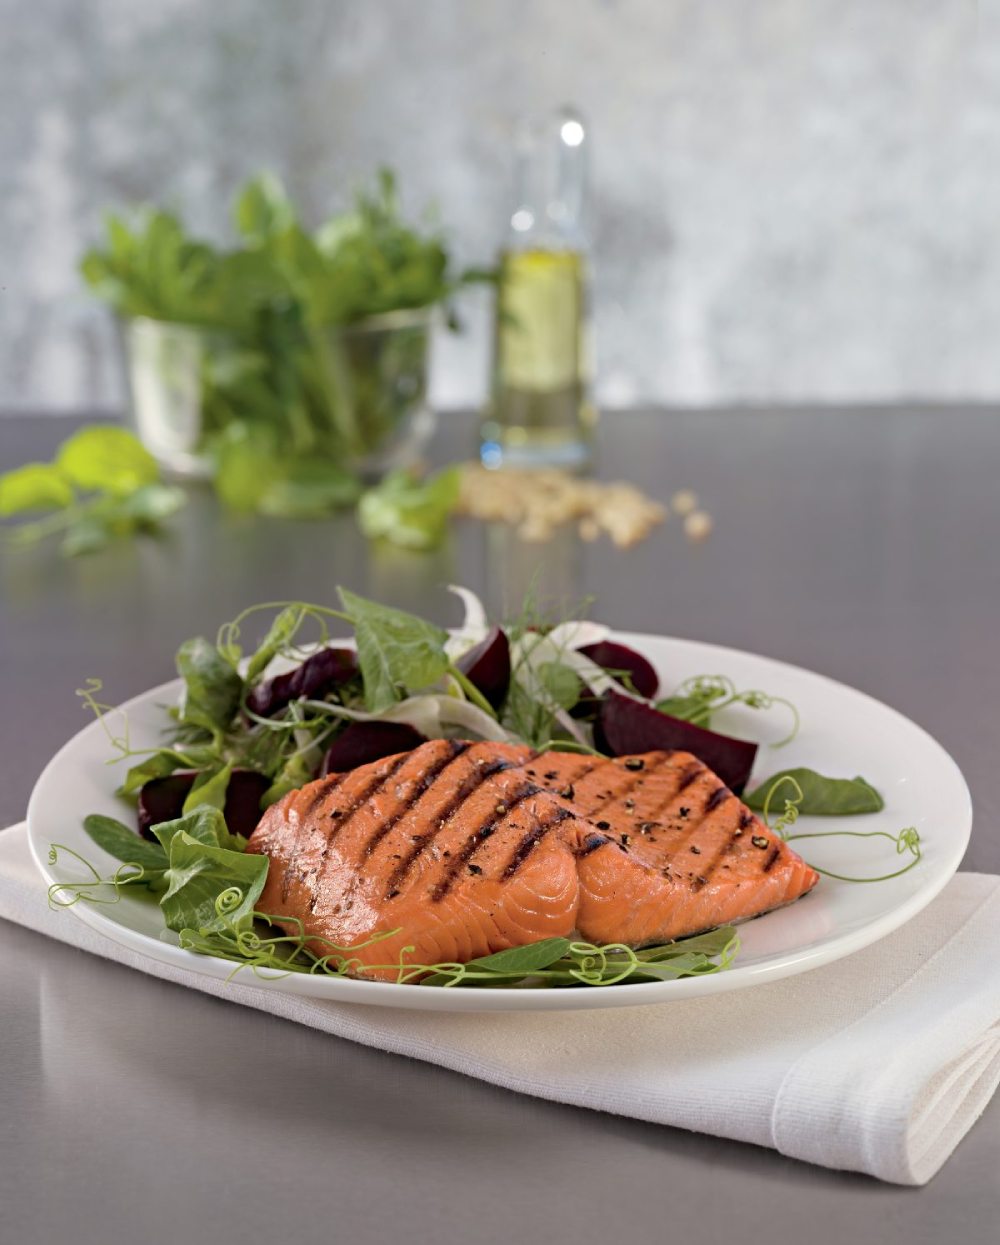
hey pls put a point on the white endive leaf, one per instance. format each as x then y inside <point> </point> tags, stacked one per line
<point>578,633</point>
<point>475,625</point>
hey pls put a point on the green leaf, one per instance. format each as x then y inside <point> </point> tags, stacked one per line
<point>200,879</point>
<point>295,773</point>
<point>279,634</point>
<point>149,505</point>
<point>408,513</point>
<point>262,209</point>
<point>516,961</point>
<point>560,682</point>
<point>88,534</point>
<point>126,845</point>
<point>204,823</point>
<point>158,765</point>
<point>212,688</point>
<point>396,651</point>
<point>822,797</point>
<point>526,959</point>
<point>697,706</point>
<point>35,486</point>
<point>245,466</point>
<point>309,490</point>
<point>209,788</point>
<point>107,459</point>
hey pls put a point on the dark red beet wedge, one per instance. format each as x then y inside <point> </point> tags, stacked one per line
<point>362,742</point>
<point>626,727</point>
<point>162,799</point>
<point>622,661</point>
<point>487,666</point>
<point>321,673</point>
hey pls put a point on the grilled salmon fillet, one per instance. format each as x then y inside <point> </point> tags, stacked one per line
<point>694,855</point>
<point>470,848</point>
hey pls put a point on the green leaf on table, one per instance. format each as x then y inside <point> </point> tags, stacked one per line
<point>211,888</point>
<point>149,505</point>
<point>821,796</point>
<point>308,490</point>
<point>408,512</point>
<point>35,486</point>
<point>108,460</point>
<point>396,651</point>
<point>212,688</point>
<point>88,534</point>
<point>209,788</point>
<point>126,845</point>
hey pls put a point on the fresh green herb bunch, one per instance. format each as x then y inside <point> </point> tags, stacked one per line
<point>290,405</point>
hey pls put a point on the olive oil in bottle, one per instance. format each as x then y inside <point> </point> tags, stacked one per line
<point>539,412</point>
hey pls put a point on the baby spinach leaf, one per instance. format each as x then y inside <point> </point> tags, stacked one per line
<point>211,888</point>
<point>396,650</point>
<point>124,844</point>
<point>821,796</point>
<point>212,688</point>
<point>35,486</point>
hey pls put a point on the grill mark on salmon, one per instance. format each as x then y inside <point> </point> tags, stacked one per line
<point>378,781</point>
<point>769,863</point>
<point>481,833</point>
<point>717,860</point>
<point>718,796</point>
<point>687,778</point>
<point>466,788</point>
<point>591,843</point>
<point>423,784</point>
<point>531,840</point>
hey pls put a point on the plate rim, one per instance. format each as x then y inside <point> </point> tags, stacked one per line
<point>387,994</point>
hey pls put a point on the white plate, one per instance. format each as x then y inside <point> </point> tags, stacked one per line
<point>843,733</point>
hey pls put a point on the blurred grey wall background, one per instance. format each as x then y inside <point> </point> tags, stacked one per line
<point>793,199</point>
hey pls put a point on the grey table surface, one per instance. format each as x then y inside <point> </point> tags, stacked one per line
<point>863,544</point>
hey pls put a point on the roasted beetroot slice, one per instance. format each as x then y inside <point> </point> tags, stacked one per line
<point>487,666</point>
<point>616,658</point>
<point>162,799</point>
<point>321,673</point>
<point>243,796</point>
<point>363,742</point>
<point>626,727</point>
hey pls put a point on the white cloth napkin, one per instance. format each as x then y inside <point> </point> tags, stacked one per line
<point>879,1063</point>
